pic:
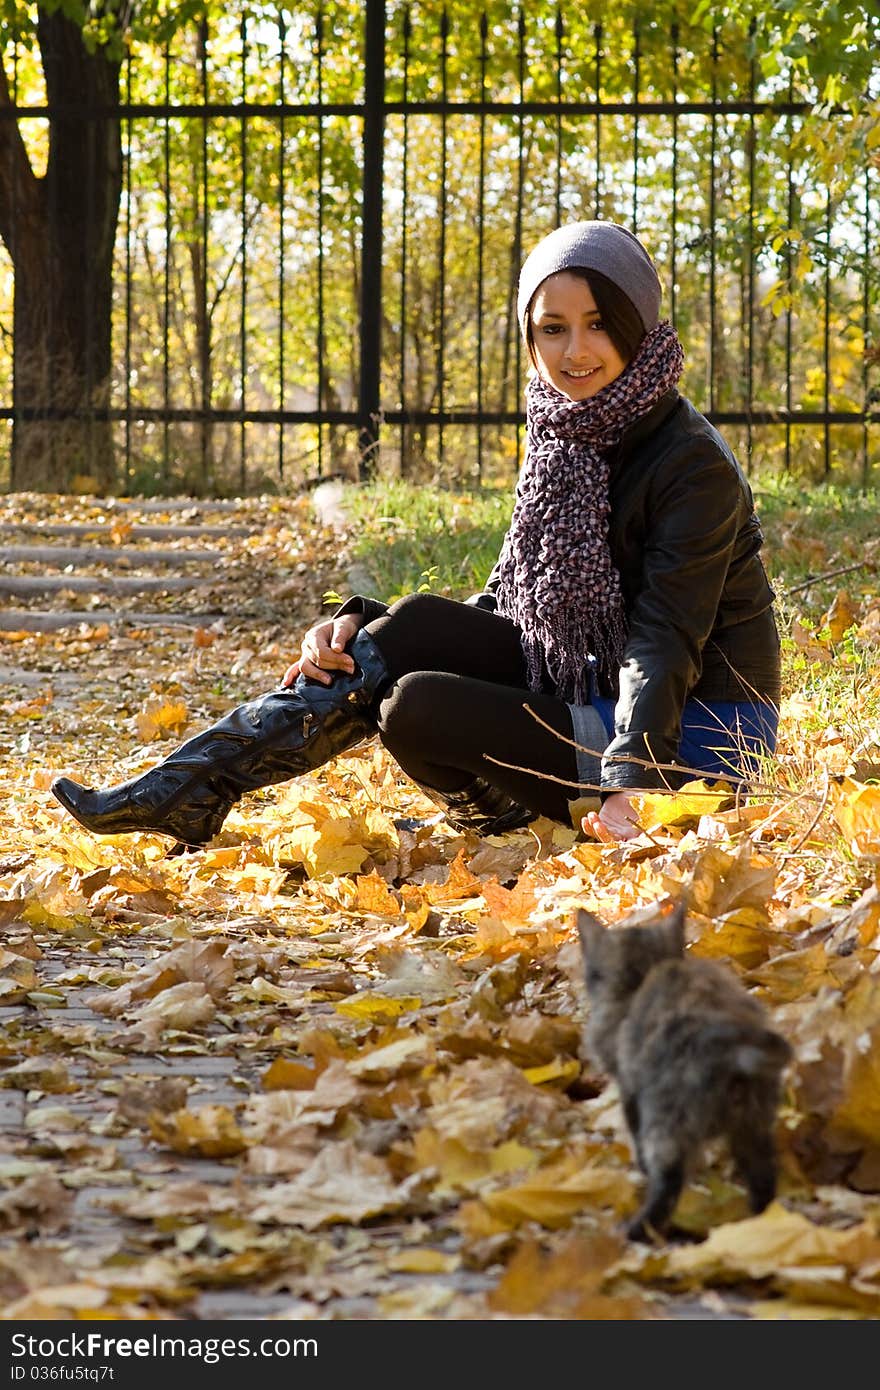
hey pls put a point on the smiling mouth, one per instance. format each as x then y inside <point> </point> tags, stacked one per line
<point>579,376</point>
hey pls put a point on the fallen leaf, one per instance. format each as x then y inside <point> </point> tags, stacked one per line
<point>210,1132</point>
<point>341,1184</point>
<point>759,1246</point>
<point>159,718</point>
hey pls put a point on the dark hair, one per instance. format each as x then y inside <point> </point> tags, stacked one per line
<point>617,311</point>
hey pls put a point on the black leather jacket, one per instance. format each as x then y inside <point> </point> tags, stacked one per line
<point>685,539</point>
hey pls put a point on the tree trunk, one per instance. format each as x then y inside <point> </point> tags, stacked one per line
<point>61,236</point>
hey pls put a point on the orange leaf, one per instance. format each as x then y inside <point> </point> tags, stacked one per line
<point>513,906</point>
<point>374,895</point>
<point>460,883</point>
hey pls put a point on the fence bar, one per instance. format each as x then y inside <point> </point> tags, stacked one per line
<point>206,432</point>
<point>637,55</point>
<point>369,396</point>
<point>166,283</point>
<point>826,334</point>
<point>866,324</point>
<point>518,224</point>
<point>282,202</point>
<point>481,235</point>
<point>404,196</point>
<point>128,308</point>
<point>559,30</point>
<point>673,268</point>
<point>549,107</point>
<point>90,134</point>
<point>789,313</point>
<point>750,248</point>
<point>188,414</point>
<point>597,32</point>
<point>321,344</point>
<point>440,320</point>
<point>244,260</point>
<point>13,221</point>
<point>713,213</point>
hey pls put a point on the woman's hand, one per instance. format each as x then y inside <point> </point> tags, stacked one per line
<point>323,650</point>
<point>616,821</point>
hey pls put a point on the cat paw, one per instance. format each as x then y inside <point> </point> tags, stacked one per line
<point>641,1230</point>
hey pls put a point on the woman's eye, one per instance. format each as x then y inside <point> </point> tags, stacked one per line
<point>598,324</point>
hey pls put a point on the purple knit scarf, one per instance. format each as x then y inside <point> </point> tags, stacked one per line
<point>557,581</point>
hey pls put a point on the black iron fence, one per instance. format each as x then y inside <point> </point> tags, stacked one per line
<point>321,218</point>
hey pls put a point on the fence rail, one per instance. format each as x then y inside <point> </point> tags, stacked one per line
<point>321,220</point>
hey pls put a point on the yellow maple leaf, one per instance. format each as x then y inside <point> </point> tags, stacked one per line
<point>723,883</point>
<point>210,1131</point>
<point>422,1261</point>
<point>684,807</point>
<point>758,1246</point>
<point>407,1054</point>
<point>841,616</point>
<point>857,812</point>
<point>859,1111</point>
<point>553,1196</point>
<point>285,1074</point>
<point>375,1008</point>
<point>565,1282</point>
<point>332,848</point>
<point>159,718</point>
<point>744,936</point>
<point>461,1167</point>
<point>36,915</point>
<point>562,1070</point>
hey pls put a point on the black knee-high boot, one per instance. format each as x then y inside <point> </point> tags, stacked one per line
<point>280,735</point>
<point>481,807</point>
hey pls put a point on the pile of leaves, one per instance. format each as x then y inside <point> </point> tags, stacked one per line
<point>331,1066</point>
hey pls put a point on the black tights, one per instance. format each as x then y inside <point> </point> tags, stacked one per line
<point>458,697</point>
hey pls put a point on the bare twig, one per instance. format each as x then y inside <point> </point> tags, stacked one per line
<point>817,817</point>
<point>870,563</point>
<point>761,788</point>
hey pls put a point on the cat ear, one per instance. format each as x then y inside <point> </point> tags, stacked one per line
<point>673,926</point>
<point>590,930</point>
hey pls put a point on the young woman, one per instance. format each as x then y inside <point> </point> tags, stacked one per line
<point>626,631</point>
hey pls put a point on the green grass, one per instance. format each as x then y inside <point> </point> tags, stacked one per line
<point>811,532</point>
<point>410,537</point>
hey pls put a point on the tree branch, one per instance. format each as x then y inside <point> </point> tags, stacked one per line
<point>20,190</point>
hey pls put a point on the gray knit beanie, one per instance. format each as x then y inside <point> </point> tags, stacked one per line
<point>606,247</point>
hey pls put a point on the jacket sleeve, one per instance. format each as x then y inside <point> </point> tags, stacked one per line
<point>370,608</point>
<point>488,595</point>
<point>695,509</point>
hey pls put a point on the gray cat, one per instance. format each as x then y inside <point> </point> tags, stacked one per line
<point>693,1055</point>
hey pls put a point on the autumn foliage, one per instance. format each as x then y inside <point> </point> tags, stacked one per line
<point>331,1065</point>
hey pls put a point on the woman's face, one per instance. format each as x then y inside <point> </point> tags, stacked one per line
<point>571,348</point>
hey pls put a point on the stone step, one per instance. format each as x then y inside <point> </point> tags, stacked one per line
<point>24,620</point>
<point>122,555</point>
<point>96,584</point>
<point>137,532</point>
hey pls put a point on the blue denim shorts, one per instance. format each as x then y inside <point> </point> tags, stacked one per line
<point>719,738</point>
